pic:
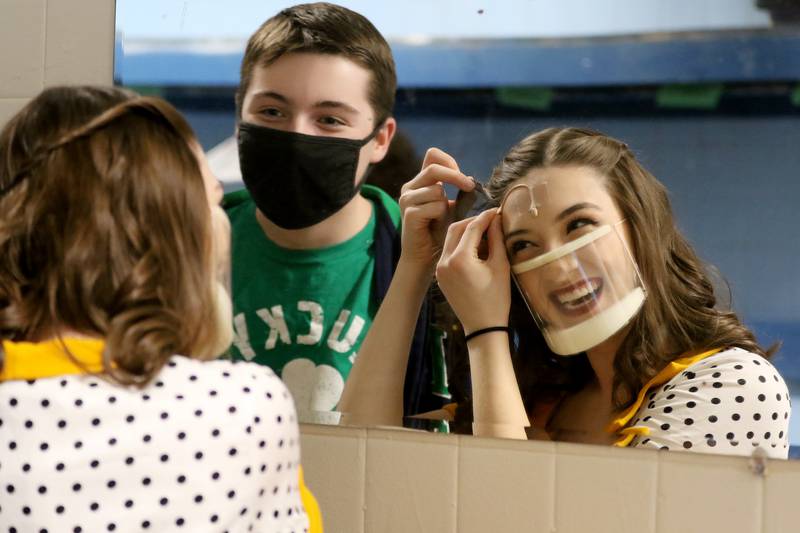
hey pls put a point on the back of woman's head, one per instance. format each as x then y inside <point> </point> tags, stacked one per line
<point>680,313</point>
<point>54,112</point>
<point>105,229</point>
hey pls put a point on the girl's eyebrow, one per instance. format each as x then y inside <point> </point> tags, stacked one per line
<point>514,233</point>
<point>564,214</point>
<point>577,207</point>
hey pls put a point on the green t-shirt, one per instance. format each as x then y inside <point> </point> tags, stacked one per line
<point>304,313</point>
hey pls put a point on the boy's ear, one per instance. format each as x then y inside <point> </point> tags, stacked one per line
<point>383,139</point>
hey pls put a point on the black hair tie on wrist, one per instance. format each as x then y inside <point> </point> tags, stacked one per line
<point>486,330</point>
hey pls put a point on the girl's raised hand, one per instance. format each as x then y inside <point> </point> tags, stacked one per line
<point>477,288</point>
<point>427,210</point>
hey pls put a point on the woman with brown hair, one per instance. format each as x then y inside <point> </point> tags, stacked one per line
<point>613,334</point>
<point>112,250</point>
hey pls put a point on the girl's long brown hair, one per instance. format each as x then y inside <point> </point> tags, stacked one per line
<point>105,229</point>
<point>680,314</point>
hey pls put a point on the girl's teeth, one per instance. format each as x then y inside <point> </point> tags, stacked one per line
<point>578,293</point>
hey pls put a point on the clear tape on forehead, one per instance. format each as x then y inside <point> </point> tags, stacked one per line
<point>561,251</point>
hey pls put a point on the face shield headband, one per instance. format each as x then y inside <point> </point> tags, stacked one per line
<point>580,290</point>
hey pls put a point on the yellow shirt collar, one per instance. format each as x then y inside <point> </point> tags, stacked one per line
<point>677,366</point>
<point>35,360</point>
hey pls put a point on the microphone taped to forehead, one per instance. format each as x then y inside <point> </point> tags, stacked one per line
<point>524,199</point>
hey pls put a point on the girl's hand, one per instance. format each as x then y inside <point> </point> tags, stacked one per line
<point>478,289</point>
<point>426,209</point>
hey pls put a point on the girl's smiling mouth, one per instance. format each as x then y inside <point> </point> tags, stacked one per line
<point>578,298</point>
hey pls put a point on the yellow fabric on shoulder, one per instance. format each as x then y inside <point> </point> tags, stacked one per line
<point>675,367</point>
<point>311,506</point>
<point>35,360</point>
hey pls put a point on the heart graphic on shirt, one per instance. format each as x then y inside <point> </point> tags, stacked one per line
<point>316,389</point>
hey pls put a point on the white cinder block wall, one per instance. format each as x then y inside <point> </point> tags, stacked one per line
<point>53,42</point>
<point>380,481</point>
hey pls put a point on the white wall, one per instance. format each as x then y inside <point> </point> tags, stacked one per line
<point>381,481</point>
<point>416,20</point>
<point>52,42</point>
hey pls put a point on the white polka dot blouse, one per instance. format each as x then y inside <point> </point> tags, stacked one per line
<point>730,403</point>
<point>206,446</point>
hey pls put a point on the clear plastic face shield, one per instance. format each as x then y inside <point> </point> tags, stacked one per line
<point>570,261</point>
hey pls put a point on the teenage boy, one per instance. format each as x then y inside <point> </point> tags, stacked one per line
<point>314,249</point>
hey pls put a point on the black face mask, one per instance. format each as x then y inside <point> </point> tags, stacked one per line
<point>298,180</point>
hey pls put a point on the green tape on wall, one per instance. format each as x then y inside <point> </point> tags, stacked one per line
<point>796,96</point>
<point>536,98</point>
<point>689,96</point>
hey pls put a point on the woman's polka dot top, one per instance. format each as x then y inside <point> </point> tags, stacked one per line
<point>730,403</point>
<point>206,446</point>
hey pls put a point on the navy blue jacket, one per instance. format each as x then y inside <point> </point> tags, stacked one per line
<point>417,391</point>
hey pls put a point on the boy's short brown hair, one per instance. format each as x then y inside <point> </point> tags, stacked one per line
<point>323,28</point>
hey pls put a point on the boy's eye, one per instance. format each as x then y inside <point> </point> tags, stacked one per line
<point>271,112</point>
<point>331,121</point>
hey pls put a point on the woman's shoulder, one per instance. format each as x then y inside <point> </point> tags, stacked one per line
<point>731,402</point>
<point>729,379</point>
<point>223,378</point>
<point>734,354</point>
<point>222,370</point>
<point>748,369</point>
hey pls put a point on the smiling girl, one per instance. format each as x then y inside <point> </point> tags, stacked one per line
<point>614,335</point>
